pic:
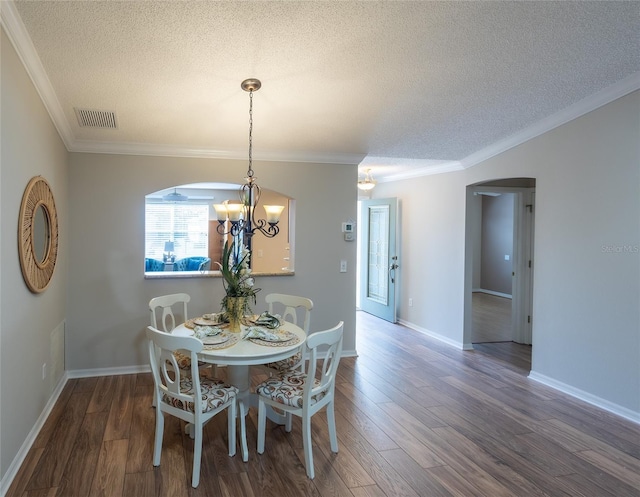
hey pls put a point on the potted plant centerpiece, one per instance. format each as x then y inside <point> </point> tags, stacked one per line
<point>238,282</point>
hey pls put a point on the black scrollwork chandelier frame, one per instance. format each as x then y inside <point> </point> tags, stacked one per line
<point>239,219</point>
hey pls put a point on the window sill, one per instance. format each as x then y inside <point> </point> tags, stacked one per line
<point>161,275</point>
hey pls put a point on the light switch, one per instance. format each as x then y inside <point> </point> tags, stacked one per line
<point>343,266</point>
<point>507,257</point>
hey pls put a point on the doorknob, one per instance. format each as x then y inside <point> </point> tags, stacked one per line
<point>392,268</point>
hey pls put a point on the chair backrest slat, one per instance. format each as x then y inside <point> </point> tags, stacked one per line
<point>291,304</point>
<point>168,303</point>
<point>330,357</point>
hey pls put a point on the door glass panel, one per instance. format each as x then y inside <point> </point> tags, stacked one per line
<point>378,262</point>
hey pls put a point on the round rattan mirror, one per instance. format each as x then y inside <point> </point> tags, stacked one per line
<point>38,234</point>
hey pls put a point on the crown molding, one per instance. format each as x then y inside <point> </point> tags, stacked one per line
<point>388,169</point>
<point>119,148</point>
<point>23,45</point>
<point>623,87</point>
<point>158,150</point>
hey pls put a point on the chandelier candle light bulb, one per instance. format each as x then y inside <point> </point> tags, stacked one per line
<point>273,213</point>
<point>221,212</point>
<point>234,211</point>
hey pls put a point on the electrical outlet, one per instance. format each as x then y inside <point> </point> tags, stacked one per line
<point>410,302</point>
<point>343,266</point>
<point>44,370</point>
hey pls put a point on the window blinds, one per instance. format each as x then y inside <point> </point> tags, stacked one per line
<point>185,224</point>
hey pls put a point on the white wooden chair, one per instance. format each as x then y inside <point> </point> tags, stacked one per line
<point>287,306</point>
<point>167,321</point>
<point>189,397</point>
<point>168,303</point>
<point>302,394</point>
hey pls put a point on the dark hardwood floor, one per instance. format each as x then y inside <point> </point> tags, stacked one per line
<point>491,318</point>
<point>415,417</point>
<point>492,331</point>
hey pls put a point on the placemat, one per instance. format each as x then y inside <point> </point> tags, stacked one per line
<point>292,341</point>
<point>233,339</point>
<point>191,324</point>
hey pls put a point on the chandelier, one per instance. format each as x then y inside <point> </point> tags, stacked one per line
<point>368,183</point>
<point>238,219</point>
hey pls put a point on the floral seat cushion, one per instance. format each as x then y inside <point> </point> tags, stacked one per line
<point>184,361</point>
<point>286,364</point>
<point>214,393</point>
<point>287,389</point>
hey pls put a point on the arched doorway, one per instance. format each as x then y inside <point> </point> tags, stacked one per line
<point>499,261</point>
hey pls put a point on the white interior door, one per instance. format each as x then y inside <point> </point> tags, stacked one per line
<point>522,305</point>
<point>378,258</point>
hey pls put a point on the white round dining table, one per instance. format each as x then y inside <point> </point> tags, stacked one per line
<point>246,353</point>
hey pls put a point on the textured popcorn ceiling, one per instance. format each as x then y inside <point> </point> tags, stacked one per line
<point>404,84</point>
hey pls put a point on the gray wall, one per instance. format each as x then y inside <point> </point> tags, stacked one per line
<point>108,295</point>
<point>586,324</point>
<point>30,147</point>
<point>497,241</point>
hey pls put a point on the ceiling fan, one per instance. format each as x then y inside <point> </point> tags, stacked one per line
<point>175,197</point>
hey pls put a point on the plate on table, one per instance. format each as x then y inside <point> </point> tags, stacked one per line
<point>205,322</point>
<point>216,339</point>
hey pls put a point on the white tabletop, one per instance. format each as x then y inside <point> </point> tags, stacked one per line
<point>246,352</point>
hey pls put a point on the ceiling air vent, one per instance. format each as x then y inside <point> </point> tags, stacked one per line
<point>88,118</point>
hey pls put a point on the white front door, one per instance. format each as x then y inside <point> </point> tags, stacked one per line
<point>378,257</point>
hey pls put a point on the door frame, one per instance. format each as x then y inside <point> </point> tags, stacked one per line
<point>390,312</point>
<point>523,237</point>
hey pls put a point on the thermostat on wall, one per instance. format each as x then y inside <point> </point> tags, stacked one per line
<point>348,230</point>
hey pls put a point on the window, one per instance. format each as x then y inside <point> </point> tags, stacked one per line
<point>185,224</point>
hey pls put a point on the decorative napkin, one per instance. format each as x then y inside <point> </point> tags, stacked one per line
<point>266,320</point>
<point>206,331</point>
<point>261,334</point>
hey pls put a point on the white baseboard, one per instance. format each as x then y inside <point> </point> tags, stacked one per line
<point>437,336</point>
<point>7,480</point>
<point>66,376</point>
<point>90,373</point>
<point>550,382</point>
<point>491,292</point>
<point>586,397</point>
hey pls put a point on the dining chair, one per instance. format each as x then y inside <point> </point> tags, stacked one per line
<point>168,303</point>
<point>167,321</point>
<point>302,394</point>
<point>191,398</point>
<point>288,305</point>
